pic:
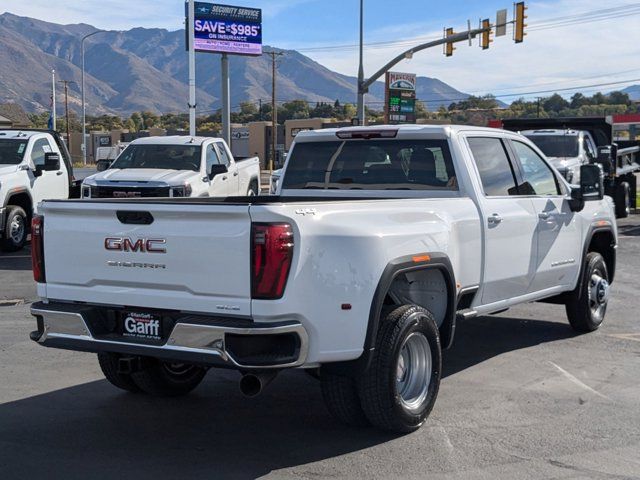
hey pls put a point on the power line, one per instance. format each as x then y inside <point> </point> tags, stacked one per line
<point>544,24</point>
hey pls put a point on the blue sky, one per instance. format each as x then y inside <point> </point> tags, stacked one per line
<point>576,55</point>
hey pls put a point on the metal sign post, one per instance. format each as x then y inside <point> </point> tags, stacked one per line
<point>192,68</point>
<point>226,100</point>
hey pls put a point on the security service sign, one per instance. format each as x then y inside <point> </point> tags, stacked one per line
<point>400,93</point>
<point>227,29</point>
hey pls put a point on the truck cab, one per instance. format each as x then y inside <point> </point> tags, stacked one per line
<point>176,166</point>
<point>567,150</point>
<point>34,166</point>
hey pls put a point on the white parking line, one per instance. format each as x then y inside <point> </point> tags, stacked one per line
<point>577,382</point>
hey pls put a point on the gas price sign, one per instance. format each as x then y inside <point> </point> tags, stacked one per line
<point>400,105</point>
<point>227,29</point>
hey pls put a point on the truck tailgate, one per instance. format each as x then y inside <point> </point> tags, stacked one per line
<point>194,259</point>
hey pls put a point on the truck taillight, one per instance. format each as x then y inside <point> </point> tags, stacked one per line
<point>272,252</point>
<point>37,248</point>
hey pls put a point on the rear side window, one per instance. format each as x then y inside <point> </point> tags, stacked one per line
<point>371,165</point>
<point>496,171</point>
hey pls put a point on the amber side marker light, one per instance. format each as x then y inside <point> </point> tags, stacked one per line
<point>421,258</point>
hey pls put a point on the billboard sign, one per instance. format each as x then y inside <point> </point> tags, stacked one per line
<point>227,29</point>
<point>400,94</point>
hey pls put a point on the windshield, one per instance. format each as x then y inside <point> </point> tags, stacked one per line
<point>163,157</point>
<point>12,151</point>
<point>371,165</point>
<point>556,145</point>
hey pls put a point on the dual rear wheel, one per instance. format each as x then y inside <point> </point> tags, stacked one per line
<point>399,389</point>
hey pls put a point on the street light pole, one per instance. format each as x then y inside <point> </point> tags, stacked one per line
<point>361,91</point>
<point>84,110</point>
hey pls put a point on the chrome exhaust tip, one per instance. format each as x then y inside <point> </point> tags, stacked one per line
<point>251,384</point>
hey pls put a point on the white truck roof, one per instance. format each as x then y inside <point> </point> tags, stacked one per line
<point>403,131</point>
<point>174,140</point>
<point>23,134</point>
<point>552,132</point>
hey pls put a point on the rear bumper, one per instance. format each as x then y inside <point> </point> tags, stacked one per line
<point>210,341</point>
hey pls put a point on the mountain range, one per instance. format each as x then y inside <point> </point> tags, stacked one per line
<point>147,69</point>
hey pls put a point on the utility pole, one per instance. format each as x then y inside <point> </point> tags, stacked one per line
<point>260,110</point>
<point>361,91</point>
<point>274,108</point>
<point>66,108</point>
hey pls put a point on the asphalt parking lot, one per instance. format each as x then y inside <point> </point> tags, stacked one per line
<point>522,397</point>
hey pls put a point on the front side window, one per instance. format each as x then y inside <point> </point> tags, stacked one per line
<point>496,172</point>
<point>12,151</point>
<point>40,147</point>
<point>224,158</point>
<point>212,157</point>
<point>537,176</point>
<point>163,157</point>
<point>589,148</point>
<point>371,165</point>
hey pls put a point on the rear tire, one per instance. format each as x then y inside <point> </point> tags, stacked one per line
<point>167,379</point>
<point>587,304</point>
<point>16,229</point>
<point>253,190</point>
<point>109,366</point>
<point>400,388</point>
<point>341,398</point>
<point>623,200</point>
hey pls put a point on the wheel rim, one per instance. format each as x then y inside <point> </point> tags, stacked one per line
<point>413,371</point>
<point>17,229</point>
<point>251,193</point>
<point>598,289</point>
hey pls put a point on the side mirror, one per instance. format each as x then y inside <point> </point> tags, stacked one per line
<point>592,182</point>
<point>51,164</point>
<point>606,155</point>
<point>216,169</point>
<point>591,187</point>
<point>102,165</point>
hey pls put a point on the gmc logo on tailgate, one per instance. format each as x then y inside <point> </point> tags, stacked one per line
<point>141,245</point>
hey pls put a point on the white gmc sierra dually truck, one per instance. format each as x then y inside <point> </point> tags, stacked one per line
<point>379,239</point>
<point>34,165</point>
<point>176,166</point>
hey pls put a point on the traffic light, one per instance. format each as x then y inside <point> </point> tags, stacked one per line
<point>520,25</point>
<point>485,39</point>
<point>448,48</point>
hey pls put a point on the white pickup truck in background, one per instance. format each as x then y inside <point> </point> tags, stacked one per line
<point>380,239</point>
<point>178,166</point>
<point>34,165</point>
<point>567,150</point>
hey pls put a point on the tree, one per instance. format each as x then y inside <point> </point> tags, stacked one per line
<point>555,103</point>
<point>149,120</point>
<point>578,100</point>
<point>619,98</point>
<point>295,109</point>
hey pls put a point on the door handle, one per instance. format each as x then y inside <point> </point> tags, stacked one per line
<point>235,174</point>
<point>224,178</point>
<point>544,215</point>
<point>58,173</point>
<point>494,219</point>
